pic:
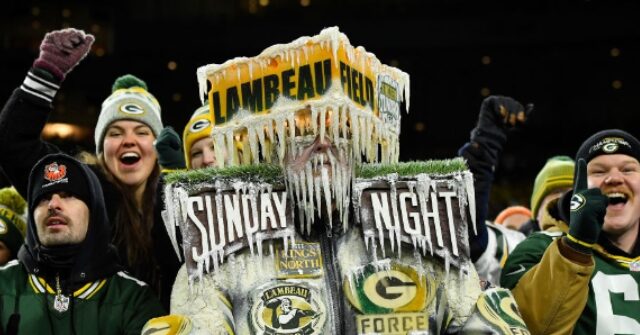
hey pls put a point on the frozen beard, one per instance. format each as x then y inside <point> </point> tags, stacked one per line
<point>318,177</point>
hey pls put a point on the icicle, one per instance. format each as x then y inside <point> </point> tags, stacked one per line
<point>296,187</point>
<point>250,71</point>
<point>253,199</point>
<point>253,144</point>
<point>423,195</point>
<point>335,126</point>
<point>218,149</point>
<point>318,190</point>
<point>355,135</point>
<point>231,149</point>
<point>309,205</point>
<point>282,140</point>
<point>327,193</point>
<point>303,190</point>
<point>259,244</point>
<point>335,44</point>
<point>471,196</point>
<point>447,262</point>
<point>343,121</point>
<point>363,138</point>
<point>314,121</point>
<point>335,182</point>
<point>292,131</point>
<point>263,146</point>
<point>202,83</point>
<point>407,91</point>
<point>323,118</point>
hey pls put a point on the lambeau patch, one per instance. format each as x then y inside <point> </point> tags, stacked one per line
<point>287,307</point>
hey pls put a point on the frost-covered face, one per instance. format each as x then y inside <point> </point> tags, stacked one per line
<point>319,176</point>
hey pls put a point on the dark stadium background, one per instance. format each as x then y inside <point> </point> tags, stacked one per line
<point>576,60</point>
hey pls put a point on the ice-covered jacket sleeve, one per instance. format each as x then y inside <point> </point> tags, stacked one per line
<point>208,307</point>
<point>21,121</point>
<point>550,284</point>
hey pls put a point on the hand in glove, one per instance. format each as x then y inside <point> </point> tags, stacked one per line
<point>62,50</point>
<point>587,210</point>
<point>169,149</point>
<point>499,114</point>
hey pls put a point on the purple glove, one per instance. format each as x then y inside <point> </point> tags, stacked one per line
<point>62,50</point>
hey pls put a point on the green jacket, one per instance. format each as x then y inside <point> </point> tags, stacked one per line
<point>559,294</point>
<point>119,304</point>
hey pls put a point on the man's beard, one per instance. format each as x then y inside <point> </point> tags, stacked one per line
<point>320,183</point>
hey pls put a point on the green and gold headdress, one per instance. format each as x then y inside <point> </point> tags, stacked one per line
<point>318,85</point>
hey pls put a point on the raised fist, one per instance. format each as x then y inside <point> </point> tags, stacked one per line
<point>499,114</point>
<point>62,50</point>
<point>587,210</point>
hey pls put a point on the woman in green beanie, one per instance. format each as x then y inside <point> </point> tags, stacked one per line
<point>125,159</point>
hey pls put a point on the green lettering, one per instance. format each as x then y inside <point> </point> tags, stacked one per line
<point>252,95</point>
<point>305,82</point>
<point>356,88</point>
<point>287,83</point>
<point>217,111</point>
<point>345,77</point>
<point>322,71</point>
<point>233,101</point>
<point>271,92</point>
<point>369,85</point>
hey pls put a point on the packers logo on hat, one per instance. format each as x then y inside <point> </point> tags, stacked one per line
<point>3,227</point>
<point>131,108</point>
<point>610,147</point>
<point>199,125</point>
<point>54,172</point>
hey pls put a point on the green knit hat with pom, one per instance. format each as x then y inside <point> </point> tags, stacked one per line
<point>129,100</point>
<point>557,174</point>
<point>13,223</point>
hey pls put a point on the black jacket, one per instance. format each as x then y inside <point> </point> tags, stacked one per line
<point>21,121</point>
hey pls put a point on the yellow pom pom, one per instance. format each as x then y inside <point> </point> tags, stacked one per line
<point>11,199</point>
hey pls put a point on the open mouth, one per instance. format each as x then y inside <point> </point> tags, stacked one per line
<point>56,221</point>
<point>129,158</point>
<point>616,198</point>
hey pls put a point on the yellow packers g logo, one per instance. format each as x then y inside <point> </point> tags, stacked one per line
<point>498,308</point>
<point>131,108</point>
<point>610,147</point>
<point>3,227</point>
<point>577,202</point>
<point>286,307</point>
<point>396,288</point>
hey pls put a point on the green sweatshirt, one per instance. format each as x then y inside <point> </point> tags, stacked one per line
<point>119,304</point>
<point>564,295</point>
